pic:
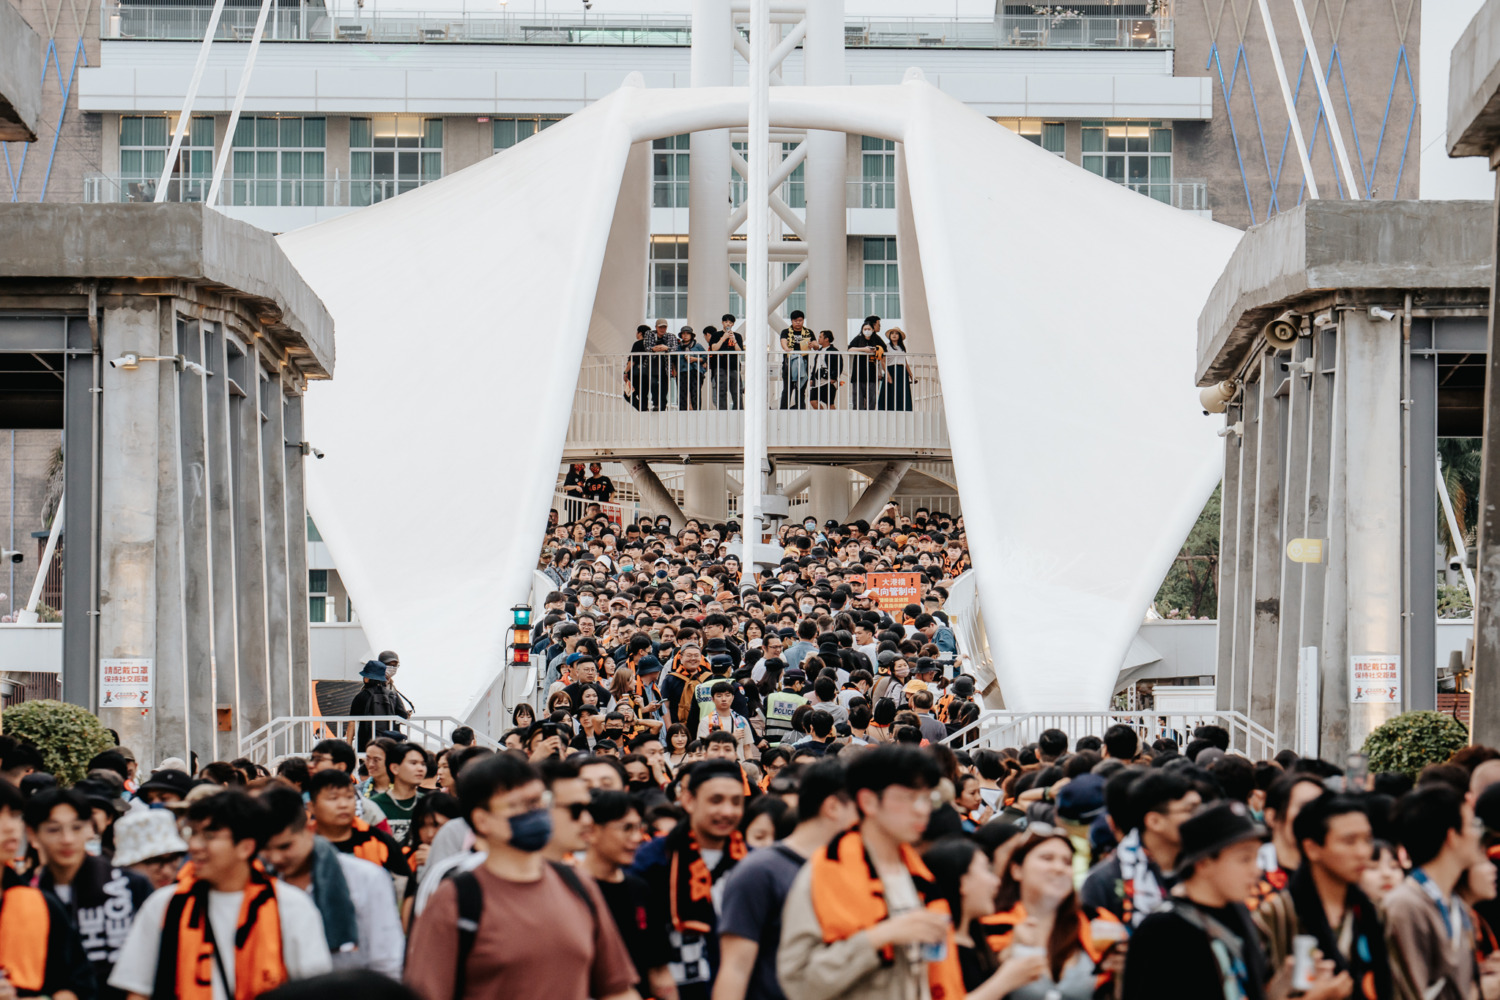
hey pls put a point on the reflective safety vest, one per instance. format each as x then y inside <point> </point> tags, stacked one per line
<point>703,694</point>
<point>780,707</point>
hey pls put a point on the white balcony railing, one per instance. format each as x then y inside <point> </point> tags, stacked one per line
<point>349,22</point>
<point>250,192</point>
<point>677,402</point>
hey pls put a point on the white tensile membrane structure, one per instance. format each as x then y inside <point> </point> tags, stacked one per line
<point>1062,308</point>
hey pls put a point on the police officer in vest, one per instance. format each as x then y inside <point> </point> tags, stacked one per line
<point>782,705</point>
<point>719,666</point>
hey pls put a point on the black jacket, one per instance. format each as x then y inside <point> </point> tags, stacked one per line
<point>378,700</point>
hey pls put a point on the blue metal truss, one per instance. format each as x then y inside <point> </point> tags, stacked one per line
<point>65,88</point>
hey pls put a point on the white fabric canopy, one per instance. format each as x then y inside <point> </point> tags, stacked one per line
<point>1063,309</point>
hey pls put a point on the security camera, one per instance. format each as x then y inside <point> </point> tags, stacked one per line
<point>1376,312</point>
<point>588,4</point>
<point>1283,330</point>
<point>192,366</point>
<point>129,362</point>
<point>1456,563</point>
<point>1324,319</point>
<point>10,556</point>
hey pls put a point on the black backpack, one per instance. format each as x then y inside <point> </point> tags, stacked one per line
<point>471,908</point>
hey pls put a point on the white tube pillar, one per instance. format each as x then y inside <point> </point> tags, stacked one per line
<point>705,491</point>
<point>881,489</point>
<point>712,65</point>
<point>757,263</point>
<point>828,492</point>
<point>655,498</point>
<point>827,219</point>
<point>1374,517</point>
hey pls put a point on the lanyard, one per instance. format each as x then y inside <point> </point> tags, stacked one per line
<point>1452,916</point>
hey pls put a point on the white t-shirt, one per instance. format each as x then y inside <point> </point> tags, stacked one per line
<point>303,949</point>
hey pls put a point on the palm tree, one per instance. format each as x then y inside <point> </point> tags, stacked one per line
<point>1461,464</point>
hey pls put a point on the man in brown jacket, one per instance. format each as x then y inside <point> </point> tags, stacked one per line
<point>1428,927</point>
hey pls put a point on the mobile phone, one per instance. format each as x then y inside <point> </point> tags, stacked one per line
<point>1356,771</point>
<point>549,730</point>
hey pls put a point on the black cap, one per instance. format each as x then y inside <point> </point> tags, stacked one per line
<point>1213,829</point>
<point>1487,808</point>
<point>170,780</point>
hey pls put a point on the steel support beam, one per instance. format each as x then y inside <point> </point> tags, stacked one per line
<point>656,499</point>
<point>881,489</point>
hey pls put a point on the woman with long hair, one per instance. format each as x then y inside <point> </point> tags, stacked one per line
<point>1037,912</point>
<point>896,380</point>
<point>677,744</point>
<point>964,879</point>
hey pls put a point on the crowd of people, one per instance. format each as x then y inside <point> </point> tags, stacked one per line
<point>668,371</point>
<point>749,787</point>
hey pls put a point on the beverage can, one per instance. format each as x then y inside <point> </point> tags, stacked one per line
<point>1303,947</point>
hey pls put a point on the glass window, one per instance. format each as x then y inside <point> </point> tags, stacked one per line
<point>391,155</point>
<point>144,141</point>
<point>509,131</point>
<point>1048,135</point>
<point>317,595</point>
<point>278,161</point>
<point>669,172</point>
<point>877,172</point>
<point>881,295</point>
<point>669,279</point>
<point>1137,154</point>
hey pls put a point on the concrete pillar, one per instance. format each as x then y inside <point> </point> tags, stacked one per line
<point>827,227</point>
<point>221,540</point>
<point>1374,529</point>
<point>881,489</point>
<point>1333,658</point>
<point>712,62</point>
<point>828,492</point>
<point>705,491</point>
<point>1293,525</point>
<point>278,590</point>
<point>193,502</point>
<point>1315,524</point>
<point>127,508</point>
<point>1422,513</point>
<point>1269,547</point>
<point>1228,548</point>
<point>174,734</point>
<point>80,471</point>
<point>296,554</point>
<point>655,499</point>
<point>249,540</point>
<point>1485,697</point>
<point>1244,571</point>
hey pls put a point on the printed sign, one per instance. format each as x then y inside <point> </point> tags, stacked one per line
<point>894,591</point>
<point>1305,550</point>
<point>1374,679</point>
<point>125,683</point>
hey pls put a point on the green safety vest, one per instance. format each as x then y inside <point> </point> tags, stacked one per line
<point>704,693</point>
<point>781,706</point>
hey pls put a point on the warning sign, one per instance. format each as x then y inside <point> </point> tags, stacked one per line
<point>125,683</point>
<point>894,591</point>
<point>1374,680</point>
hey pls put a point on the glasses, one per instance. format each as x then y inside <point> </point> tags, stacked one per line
<point>576,810</point>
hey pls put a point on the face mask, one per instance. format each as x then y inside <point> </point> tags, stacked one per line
<point>661,574</point>
<point>811,527</point>
<point>614,734</point>
<point>587,600</point>
<point>530,831</point>
<point>806,609</point>
<point>636,787</point>
<point>390,670</point>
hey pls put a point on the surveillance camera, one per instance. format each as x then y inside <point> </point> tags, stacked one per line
<point>317,453</point>
<point>194,367</point>
<point>129,362</point>
<point>1376,312</point>
<point>10,556</point>
<point>1284,330</point>
<point>1456,562</point>
<point>1324,319</point>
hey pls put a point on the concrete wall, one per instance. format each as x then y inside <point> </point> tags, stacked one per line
<point>20,73</point>
<point>75,135</point>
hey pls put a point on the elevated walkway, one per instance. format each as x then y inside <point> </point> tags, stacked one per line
<point>615,412</point>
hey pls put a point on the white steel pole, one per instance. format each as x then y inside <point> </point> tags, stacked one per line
<point>757,265</point>
<point>187,102</point>
<point>1291,106</point>
<point>1335,132</point>
<point>239,104</point>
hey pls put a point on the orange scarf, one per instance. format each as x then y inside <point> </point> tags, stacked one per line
<point>186,966</point>
<point>25,924</point>
<point>848,897</point>
<point>691,898</point>
<point>999,931</point>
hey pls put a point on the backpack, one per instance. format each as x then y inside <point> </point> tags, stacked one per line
<point>471,908</point>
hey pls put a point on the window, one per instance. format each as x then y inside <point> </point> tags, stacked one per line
<point>144,141</point>
<point>793,191</point>
<point>317,595</point>
<point>390,155</point>
<point>1137,154</point>
<point>313,534</point>
<point>1048,135</point>
<point>278,161</point>
<point>669,172</point>
<point>877,173</point>
<point>509,131</point>
<point>881,295</point>
<point>669,279</point>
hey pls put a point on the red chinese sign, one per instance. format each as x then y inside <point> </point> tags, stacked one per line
<point>894,591</point>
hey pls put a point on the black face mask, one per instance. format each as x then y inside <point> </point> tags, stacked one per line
<point>614,734</point>
<point>641,786</point>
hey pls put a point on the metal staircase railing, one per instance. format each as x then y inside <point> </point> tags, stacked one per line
<point>996,729</point>
<point>296,735</point>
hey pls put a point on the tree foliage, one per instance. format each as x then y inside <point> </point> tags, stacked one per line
<point>1412,740</point>
<point>66,736</point>
<point>1191,589</point>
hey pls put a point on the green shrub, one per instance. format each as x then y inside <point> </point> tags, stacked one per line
<point>1411,741</point>
<point>67,736</point>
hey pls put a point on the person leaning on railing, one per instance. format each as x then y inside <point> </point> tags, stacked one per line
<point>724,368</point>
<point>688,370</point>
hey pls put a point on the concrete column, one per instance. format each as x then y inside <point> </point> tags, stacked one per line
<point>1268,548</point>
<point>1315,521</point>
<point>278,589</point>
<point>881,489</point>
<point>1228,548</point>
<point>655,498</point>
<point>1333,657</point>
<point>221,541</point>
<point>193,503</point>
<point>249,540</point>
<point>296,554</point>
<point>1422,513</point>
<point>1485,697</point>
<point>705,491</point>
<point>1293,525</point>
<point>80,598</point>
<point>174,716</point>
<point>1373,433</point>
<point>1243,573</point>
<point>828,492</point>
<point>712,62</point>
<point>127,513</point>
<point>827,226</point>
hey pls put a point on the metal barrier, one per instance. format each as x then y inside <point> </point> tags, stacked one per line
<point>296,735</point>
<point>998,729</point>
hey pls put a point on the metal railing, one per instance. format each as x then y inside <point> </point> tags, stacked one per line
<point>683,401</point>
<point>1190,196</point>
<point>351,23</point>
<point>334,191</point>
<point>296,735</point>
<point>998,729</point>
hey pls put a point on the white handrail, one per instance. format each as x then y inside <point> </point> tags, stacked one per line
<point>996,729</point>
<point>296,735</point>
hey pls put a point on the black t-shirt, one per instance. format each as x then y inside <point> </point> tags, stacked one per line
<point>599,488</point>
<point>1169,957</point>
<point>574,692</point>
<point>648,946</point>
<point>864,368</point>
<point>730,361</point>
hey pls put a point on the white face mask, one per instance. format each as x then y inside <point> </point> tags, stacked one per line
<point>806,609</point>
<point>390,670</point>
<point>587,600</point>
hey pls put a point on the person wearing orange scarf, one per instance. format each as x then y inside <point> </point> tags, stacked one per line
<point>228,932</point>
<point>863,918</point>
<point>683,869</point>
